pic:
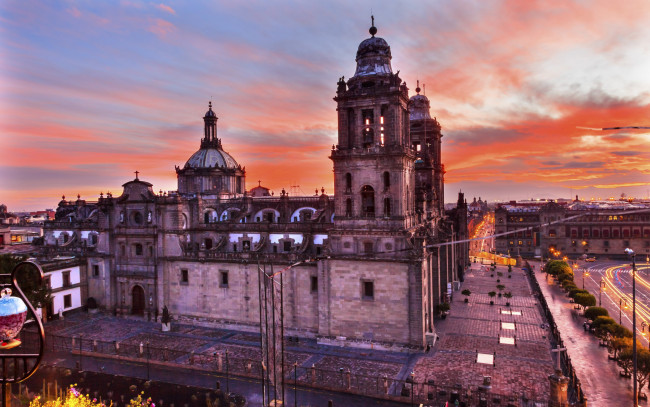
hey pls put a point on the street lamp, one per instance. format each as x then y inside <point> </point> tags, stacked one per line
<point>602,287</point>
<point>584,273</point>
<point>632,255</point>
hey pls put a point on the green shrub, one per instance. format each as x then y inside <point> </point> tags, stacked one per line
<point>466,292</point>
<point>595,312</point>
<point>556,267</point>
<point>585,299</point>
<point>575,291</point>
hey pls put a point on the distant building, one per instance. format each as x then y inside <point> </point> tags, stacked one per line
<point>66,277</point>
<point>370,271</point>
<point>576,229</point>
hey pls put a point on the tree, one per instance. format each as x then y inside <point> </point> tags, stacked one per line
<point>556,267</point>
<point>27,280</point>
<point>575,291</point>
<point>603,327</point>
<point>642,366</point>
<point>625,360</point>
<point>585,300</point>
<point>595,312</point>
<point>617,345</point>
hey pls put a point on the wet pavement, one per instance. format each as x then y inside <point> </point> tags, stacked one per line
<point>599,376</point>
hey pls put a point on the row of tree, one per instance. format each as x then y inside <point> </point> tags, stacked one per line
<point>614,336</point>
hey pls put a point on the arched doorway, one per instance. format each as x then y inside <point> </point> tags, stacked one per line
<point>137,300</point>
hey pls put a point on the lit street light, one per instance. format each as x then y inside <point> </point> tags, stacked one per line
<point>585,273</point>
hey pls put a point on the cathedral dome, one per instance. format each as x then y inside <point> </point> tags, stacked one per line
<point>211,158</point>
<point>419,106</point>
<point>373,56</point>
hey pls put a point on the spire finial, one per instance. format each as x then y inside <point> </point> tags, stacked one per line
<point>373,29</point>
<point>417,89</point>
<point>210,104</point>
<point>136,174</point>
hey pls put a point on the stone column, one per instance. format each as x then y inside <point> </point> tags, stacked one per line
<point>558,391</point>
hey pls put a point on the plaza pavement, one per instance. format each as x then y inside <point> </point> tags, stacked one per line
<point>519,372</point>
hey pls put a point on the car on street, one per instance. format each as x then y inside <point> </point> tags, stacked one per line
<point>590,259</point>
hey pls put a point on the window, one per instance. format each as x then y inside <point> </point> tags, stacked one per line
<point>185,278</point>
<point>368,201</point>
<point>246,245</point>
<point>207,242</point>
<point>367,247</point>
<point>348,207</point>
<point>368,288</point>
<point>386,180</point>
<point>66,279</point>
<point>67,301</point>
<point>348,183</point>
<point>95,270</point>
<point>93,239</point>
<point>223,278</point>
<point>287,245</point>
<point>138,249</point>
<point>137,218</point>
<point>314,284</point>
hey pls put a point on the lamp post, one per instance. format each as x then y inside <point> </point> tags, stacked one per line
<point>601,288</point>
<point>585,273</point>
<point>632,255</point>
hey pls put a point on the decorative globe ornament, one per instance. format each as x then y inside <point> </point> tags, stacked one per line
<point>13,312</point>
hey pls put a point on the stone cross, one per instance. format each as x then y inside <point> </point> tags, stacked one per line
<point>136,174</point>
<point>558,350</point>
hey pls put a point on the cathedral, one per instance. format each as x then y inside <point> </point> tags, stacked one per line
<point>366,265</point>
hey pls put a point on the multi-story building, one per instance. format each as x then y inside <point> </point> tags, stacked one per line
<point>576,229</point>
<point>360,265</point>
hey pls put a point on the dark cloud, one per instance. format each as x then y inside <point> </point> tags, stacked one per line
<point>626,153</point>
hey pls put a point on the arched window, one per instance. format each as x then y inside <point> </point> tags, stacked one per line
<point>386,180</point>
<point>367,247</point>
<point>138,249</point>
<point>348,207</point>
<point>348,183</point>
<point>137,218</point>
<point>367,201</point>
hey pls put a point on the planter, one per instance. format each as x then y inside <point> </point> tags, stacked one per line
<point>466,300</point>
<point>507,304</point>
<point>491,302</point>
<point>499,295</point>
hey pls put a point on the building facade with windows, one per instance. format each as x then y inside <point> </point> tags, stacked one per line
<point>577,229</point>
<point>66,278</point>
<point>360,265</point>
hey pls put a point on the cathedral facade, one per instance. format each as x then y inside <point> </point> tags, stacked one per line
<point>368,264</point>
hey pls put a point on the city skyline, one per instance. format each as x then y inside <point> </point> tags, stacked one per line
<point>92,92</point>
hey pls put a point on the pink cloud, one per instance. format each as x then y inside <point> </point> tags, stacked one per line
<point>166,8</point>
<point>161,27</point>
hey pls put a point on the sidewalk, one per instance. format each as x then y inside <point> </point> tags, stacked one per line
<point>599,376</point>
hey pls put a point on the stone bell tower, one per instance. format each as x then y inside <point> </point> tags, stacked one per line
<point>374,159</point>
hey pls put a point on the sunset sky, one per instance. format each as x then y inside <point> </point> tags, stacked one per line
<point>91,91</point>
